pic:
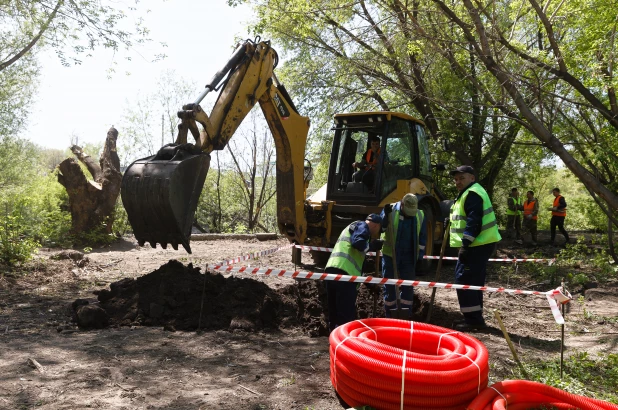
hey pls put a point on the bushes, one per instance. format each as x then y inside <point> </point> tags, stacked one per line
<point>15,247</point>
<point>29,204</point>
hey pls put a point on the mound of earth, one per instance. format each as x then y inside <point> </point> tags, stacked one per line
<point>179,297</point>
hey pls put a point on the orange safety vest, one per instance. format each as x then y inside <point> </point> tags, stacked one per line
<point>370,163</point>
<point>556,203</point>
<point>529,208</point>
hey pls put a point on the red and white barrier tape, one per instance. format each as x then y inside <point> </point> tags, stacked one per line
<point>452,258</point>
<point>553,303</point>
<point>251,256</point>
<point>553,296</point>
<point>322,249</point>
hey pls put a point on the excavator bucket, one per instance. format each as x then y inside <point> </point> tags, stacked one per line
<point>160,194</point>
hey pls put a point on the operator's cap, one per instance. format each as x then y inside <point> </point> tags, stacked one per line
<point>374,218</point>
<point>410,204</point>
<point>465,169</point>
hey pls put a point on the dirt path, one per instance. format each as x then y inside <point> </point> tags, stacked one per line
<point>239,361</point>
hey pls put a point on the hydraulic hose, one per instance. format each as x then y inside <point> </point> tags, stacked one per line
<point>397,364</point>
<point>524,394</point>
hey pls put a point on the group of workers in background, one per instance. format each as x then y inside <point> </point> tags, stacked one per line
<point>473,229</point>
<point>529,209</point>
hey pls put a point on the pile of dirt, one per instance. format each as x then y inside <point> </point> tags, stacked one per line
<point>179,297</point>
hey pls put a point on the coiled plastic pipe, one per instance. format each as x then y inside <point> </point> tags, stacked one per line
<point>524,394</point>
<point>397,364</point>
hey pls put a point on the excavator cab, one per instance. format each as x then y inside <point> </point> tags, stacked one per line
<point>402,155</point>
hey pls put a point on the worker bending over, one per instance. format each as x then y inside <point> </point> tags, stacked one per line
<point>347,258</point>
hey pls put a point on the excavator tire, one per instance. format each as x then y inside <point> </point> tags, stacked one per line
<point>160,194</point>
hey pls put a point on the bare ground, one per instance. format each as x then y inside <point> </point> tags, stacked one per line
<point>182,338</point>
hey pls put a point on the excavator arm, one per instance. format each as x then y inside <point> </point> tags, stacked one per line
<point>160,193</point>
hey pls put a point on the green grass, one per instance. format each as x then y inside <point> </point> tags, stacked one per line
<point>583,374</point>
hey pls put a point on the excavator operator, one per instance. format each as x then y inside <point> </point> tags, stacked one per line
<point>367,166</point>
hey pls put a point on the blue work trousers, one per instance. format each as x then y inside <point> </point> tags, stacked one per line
<point>406,271</point>
<point>473,272</point>
<point>341,297</point>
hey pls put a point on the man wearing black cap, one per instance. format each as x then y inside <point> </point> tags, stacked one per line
<point>474,230</point>
<point>347,259</point>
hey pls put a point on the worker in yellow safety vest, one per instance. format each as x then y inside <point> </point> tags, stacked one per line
<point>410,237</point>
<point>513,216</point>
<point>347,258</point>
<point>474,230</point>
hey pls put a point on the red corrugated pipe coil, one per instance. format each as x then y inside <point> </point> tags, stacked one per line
<point>397,364</point>
<point>524,394</point>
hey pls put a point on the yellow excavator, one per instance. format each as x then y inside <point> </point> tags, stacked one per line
<point>160,193</point>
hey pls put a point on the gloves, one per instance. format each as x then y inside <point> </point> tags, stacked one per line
<point>529,216</point>
<point>376,245</point>
<point>388,208</point>
<point>463,255</point>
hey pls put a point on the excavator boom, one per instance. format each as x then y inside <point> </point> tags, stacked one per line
<point>161,193</point>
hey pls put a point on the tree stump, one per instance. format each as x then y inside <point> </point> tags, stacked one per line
<point>92,202</point>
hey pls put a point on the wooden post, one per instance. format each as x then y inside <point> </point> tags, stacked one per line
<point>438,269</point>
<point>508,341</point>
<point>562,342</point>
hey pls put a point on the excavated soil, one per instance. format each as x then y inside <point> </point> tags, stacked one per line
<point>161,329</point>
<point>179,297</point>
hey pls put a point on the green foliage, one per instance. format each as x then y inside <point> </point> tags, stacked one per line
<point>94,237</point>
<point>15,247</point>
<point>121,220</point>
<point>71,28</point>
<point>576,264</point>
<point>583,374</point>
<point>45,202</point>
<point>233,212</point>
<point>18,86</point>
<point>594,261</point>
<point>32,199</point>
<point>18,162</point>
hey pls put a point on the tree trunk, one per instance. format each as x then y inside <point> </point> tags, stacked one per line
<point>92,202</point>
<point>610,239</point>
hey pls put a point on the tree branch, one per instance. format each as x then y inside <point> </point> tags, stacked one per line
<point>34,40</point>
